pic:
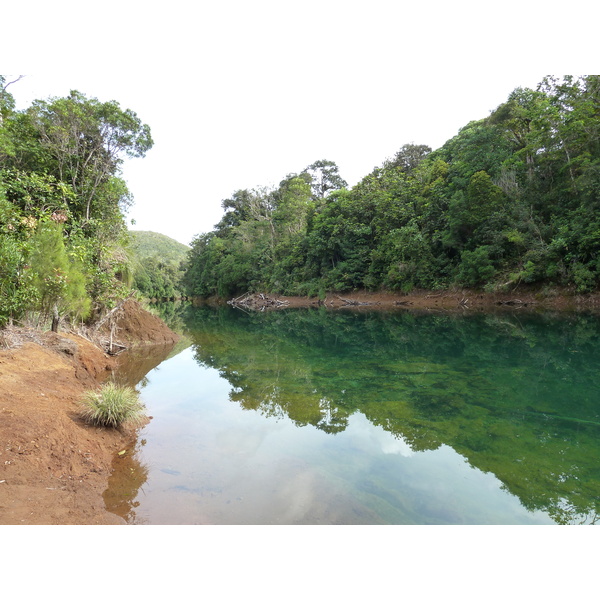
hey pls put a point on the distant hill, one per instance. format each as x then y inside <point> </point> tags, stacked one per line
<point>149,243</point>
<point>157,262</point>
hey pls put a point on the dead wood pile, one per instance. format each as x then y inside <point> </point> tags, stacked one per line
<point>257,302</point>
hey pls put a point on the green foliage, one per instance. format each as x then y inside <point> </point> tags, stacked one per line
<point>62,204</point>
<point>60,282</point>
<point>324,178</point>
<point>158,264</point>
<point>149,243</point>
<point>515,195</point>
<point>112,406</point>
<point>475,267</point>
<point>17,292</point>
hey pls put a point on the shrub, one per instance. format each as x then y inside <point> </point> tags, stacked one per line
<point>112,405</point>
<point>475,267</point>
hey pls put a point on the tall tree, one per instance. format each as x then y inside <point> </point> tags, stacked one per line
<point>59,280</point>
<point>88,140</point>
<point>409,157</point>
<point>325,178</point>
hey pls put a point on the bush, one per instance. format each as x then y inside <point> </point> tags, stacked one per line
<point>112,405</point>
<point>475,267</point>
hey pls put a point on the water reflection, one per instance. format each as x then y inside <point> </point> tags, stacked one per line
<point>516,395</point>
<point>134,364</point>
<point>124,484</point>
<point>128,473</point>
<point>310,416</point>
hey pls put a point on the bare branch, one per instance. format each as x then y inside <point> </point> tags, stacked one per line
<point>11,82</point>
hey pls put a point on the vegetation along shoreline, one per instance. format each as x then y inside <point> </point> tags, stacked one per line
<point>504,216</point>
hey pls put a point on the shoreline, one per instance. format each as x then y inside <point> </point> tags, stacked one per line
<point>461,301</point>
<point>54,468</point>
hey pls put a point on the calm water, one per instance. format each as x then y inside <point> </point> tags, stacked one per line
<point>321,417</point>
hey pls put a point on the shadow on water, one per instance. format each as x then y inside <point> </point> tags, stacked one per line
<point>516,395</point>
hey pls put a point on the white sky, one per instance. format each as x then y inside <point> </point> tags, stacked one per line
<point>239,94</point>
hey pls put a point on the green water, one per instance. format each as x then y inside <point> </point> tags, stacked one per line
<point>323,417</point>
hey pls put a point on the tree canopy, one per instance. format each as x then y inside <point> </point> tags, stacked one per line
<point>63,200</point>
<point>512,198</point>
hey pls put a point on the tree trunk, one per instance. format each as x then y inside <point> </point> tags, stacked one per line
<point>55,318</point>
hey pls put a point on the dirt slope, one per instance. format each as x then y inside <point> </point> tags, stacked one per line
<point>53,467</point>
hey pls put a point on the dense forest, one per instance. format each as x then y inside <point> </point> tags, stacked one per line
<point>63,236</point>
<point>512,199</point>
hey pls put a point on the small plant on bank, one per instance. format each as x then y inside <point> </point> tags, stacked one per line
<point>112,405</point>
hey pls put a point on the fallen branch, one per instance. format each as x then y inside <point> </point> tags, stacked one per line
<point>257,302</point>
<point>353,302</point>
<point>515,302</point>
<point>112,312</point>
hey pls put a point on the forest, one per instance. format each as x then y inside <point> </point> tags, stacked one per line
<point>512,199</point>
<point>63,234</point>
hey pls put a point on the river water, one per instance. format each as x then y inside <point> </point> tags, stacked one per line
<point>354,417</point>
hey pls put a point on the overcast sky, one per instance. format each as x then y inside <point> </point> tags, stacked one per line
<point>239,94</point>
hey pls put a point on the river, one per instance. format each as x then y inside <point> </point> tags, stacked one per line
<point>313,416</point>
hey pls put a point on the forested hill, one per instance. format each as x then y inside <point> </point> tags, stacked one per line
<point>157,261</point>
<point>512,198</point>
<point>150,243</point>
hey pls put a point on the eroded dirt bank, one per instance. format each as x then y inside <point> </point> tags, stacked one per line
<point>53,467</point>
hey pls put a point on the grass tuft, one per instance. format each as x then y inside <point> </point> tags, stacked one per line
<point>112,405</point>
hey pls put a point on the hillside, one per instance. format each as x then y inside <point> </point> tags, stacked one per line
<point>512,200</point>
<point>150,243</point>
<point>157,261</point>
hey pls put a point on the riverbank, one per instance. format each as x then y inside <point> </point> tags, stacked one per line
<point>426,300</point>
<point>53,467</point>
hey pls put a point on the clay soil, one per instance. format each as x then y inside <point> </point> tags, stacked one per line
<point>53,467</point>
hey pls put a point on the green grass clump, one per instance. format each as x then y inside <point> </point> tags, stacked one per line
<point>112,405</point>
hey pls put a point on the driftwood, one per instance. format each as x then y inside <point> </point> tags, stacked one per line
<point>111,317</point>
<point>257,302</point>
<point>112,313</point>
<point>515,302</point>
<point>353,302</point>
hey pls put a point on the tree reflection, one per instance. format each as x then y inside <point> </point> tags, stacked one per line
<point>515,394</point>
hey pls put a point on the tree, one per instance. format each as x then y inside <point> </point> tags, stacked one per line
<point>470,209</point>
<point>325,178</point>
<point>60,282</point>
<point>292,202</point>
<point>409,157</point>
<point>87,140</point>
<point>7,102</point>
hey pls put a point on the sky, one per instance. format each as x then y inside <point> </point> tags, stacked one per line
<point>240,94</point>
